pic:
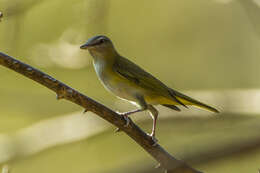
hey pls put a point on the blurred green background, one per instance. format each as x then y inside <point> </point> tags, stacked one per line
<point>206,48</point>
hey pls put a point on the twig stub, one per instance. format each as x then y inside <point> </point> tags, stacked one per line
<point>1,15</point>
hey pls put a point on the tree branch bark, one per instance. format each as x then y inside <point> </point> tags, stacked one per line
<point>168,162</point>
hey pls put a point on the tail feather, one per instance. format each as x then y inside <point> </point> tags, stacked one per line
<point>194,102</point>
<point>174,97</point>
<point>172,107</point>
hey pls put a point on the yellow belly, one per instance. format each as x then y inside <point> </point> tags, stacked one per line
<point>127,90</point>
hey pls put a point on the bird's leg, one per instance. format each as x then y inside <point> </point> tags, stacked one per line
<point>143,106</point>
<point>154,114</point>
<point>126,114</point>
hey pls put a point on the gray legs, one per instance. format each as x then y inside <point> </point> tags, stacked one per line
<point>144,106</point>
<point>154,114</point>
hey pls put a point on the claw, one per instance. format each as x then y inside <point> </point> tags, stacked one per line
<point>125,115</point>
<point>126,125</point>
<point>85,111</point>
<point>153,139</point>
<point>127,121</point>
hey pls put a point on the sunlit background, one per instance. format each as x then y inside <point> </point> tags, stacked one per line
<point>208,49</point>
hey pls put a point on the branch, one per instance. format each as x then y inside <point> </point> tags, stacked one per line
<point>168,162</point>
<point>1,15</point>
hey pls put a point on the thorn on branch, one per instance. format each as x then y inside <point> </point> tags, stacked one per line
<point>59,96</point>
<point>158,166</point>
<point>5,169</point>
<point>1,15</point>
<point>118,130</point>
<point>62,91</point>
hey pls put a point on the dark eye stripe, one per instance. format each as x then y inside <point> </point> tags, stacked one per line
<point>94,44</point>
<point>100,41</point>
<point>97,43</point>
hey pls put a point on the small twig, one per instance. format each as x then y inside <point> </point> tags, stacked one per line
<point>1,15</point>
<point>5,169</point>
<point>63,91</point>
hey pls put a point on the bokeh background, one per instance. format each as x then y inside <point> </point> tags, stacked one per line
<point>208,49</point>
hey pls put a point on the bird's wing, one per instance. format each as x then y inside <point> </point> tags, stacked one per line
<point>137,75</point>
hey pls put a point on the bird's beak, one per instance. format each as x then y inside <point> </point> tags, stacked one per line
<point>85,46</point>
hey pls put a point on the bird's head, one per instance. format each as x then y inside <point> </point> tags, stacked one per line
<point>99,46</point>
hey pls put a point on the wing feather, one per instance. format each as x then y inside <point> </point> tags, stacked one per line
<point>137,75</point>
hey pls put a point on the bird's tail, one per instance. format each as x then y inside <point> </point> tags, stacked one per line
<point>190,101</point>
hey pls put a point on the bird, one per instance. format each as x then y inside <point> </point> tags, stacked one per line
<point>130,82</point>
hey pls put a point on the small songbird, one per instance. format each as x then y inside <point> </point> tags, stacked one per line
<point>130,82</point>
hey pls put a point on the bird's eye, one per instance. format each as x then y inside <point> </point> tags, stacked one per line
<point>102,40</point>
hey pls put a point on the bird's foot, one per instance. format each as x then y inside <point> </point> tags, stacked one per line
<point>153,139</point>
<point>126,124</point>
<point>125,115</point>
<point>127,120</point>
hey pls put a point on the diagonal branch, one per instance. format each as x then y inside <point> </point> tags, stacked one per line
<point>63,91</point>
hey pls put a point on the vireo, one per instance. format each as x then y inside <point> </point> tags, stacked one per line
<point>130,82</point>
